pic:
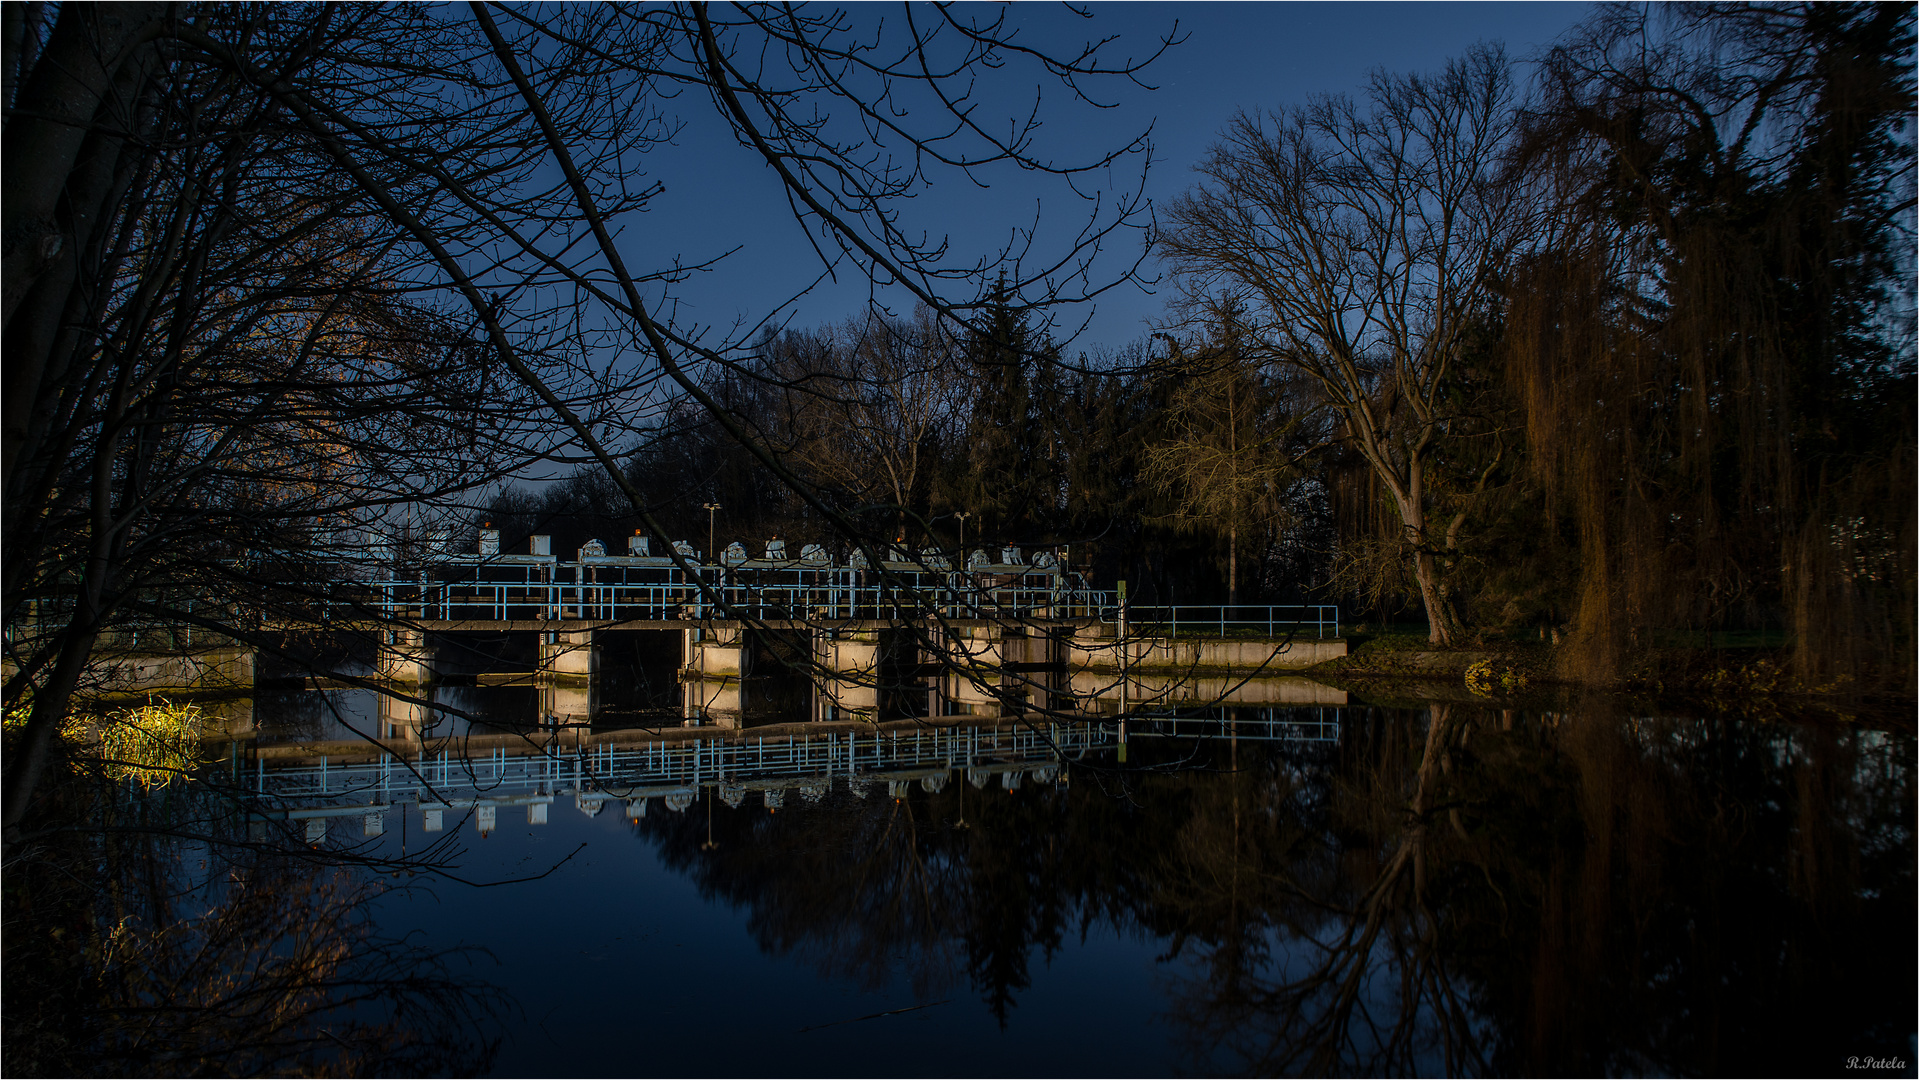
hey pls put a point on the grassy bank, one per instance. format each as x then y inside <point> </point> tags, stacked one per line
<point>1733,666</point>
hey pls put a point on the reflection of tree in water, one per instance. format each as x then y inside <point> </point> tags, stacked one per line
<point>169,943</point>
<point>1454,890</point>
<point>868,888</point>
<point>863,894</point>
<point>1578,895</point>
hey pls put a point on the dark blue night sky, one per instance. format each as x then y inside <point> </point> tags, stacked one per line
<point>1233,56</point>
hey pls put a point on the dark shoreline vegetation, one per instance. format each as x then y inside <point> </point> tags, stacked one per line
<point>1583,384</point>
<point>1740,670</point>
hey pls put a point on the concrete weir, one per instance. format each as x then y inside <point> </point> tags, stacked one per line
<point>215,670</point>
<point>858,670</point>
<point>1242,655</point>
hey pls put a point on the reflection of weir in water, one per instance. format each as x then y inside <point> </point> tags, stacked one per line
<point>673,770</point>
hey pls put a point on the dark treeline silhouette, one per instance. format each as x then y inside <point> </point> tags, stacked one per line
<point>1477,891</point>
<point>1713,355</point>
<point>1124,457</point>
<point>1626,357</point>
<point>1629,355</point>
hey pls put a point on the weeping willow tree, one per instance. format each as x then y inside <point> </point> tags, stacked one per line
<point>1713,349</point>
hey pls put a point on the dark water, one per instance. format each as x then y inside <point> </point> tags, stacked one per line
<point>1447,889</point>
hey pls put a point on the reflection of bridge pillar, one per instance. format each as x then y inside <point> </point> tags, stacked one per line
<point>852,692</point>
<point>568,653</point>
<point>405,657</point>
<point>402,721</point>
<point>568,660</point>
<point>981,649</point>
<point>569,702</point>
<point>232,718</point>
<point>718,701</point>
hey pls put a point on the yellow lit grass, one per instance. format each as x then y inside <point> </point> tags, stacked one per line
<point>152,744</point>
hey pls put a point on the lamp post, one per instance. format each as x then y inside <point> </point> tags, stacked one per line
<point>962,516</point>
<point>709,845</point>
<point>710,508</point>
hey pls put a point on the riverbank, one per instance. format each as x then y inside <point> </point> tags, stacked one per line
<point>1386,666</point>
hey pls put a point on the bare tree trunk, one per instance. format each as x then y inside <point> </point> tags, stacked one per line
<point>1442,627</point>
<point>49,710</point>
<point>60,112</point>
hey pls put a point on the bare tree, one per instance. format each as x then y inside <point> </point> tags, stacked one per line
<point>1360,245</point>
<point>271,273</point>
<point>868,407</point>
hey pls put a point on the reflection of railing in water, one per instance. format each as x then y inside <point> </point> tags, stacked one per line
<point>674,770</point>
<point>611,768</point>
<point>1230,722</point>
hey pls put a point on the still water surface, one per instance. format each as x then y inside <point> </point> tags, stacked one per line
<point>1451,888</point>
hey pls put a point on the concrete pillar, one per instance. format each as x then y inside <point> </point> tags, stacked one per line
<point>1093,646</point>
<point>717,701</point>
<point>568,654</point>
<point>979,650</point>
<point>1043,650</point>
<point>852,691</point>
<point>722,653</point>
<point>405,657</point>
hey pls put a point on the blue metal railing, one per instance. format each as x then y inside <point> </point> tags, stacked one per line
<point>1219,620</point>
<point>1291,724</point>
<point>729,598</point>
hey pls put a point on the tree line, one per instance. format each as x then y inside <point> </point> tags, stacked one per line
<point>1622,353</point>
<point>1625,355</point>
<point>1131,464</point>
